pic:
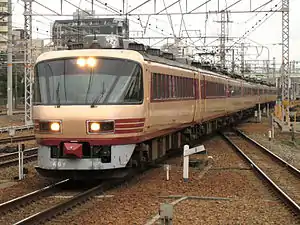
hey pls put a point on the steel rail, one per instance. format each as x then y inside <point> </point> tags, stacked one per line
<point>287,199</point>
<point>14,203</point>
<point>15,161</point>
<point>274,156</point>
<point>70,203</point>
<point>26,152</point>
<point>17,139</point>
<point>4,113</point>
<point>23,127</point>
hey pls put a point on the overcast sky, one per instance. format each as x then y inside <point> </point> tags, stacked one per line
<point>268,33</point>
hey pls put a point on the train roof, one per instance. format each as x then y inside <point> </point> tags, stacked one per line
<point>139,56</point>
<point>113,53</point>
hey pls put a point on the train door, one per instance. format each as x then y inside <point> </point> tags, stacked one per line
<point>202,98</point>
<point>148,92</point>
<point>197,106</point>
<point>227,91</point>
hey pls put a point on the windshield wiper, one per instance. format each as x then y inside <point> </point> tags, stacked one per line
<point>99,97</point>
<point>57,94</point>
<point>89,85</point>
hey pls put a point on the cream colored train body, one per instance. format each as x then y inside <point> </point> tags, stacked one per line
<point>99,111</point>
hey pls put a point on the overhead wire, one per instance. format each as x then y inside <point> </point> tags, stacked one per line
<point>114,10</point>
<point>170,19</point>
<point>184,24</point>
<point>67,27</point>
<point>257,24</point>
<point>258,12</point>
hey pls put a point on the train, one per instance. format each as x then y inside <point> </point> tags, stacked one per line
<point>101,112</point>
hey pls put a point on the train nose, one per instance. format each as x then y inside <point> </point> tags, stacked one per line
<point>73,149</point>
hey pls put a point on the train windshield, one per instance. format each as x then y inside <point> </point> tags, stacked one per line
<point>88,81</point>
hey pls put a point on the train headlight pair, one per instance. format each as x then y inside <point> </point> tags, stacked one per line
<point>90,62</point>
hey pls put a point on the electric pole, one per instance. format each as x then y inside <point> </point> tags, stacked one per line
<point>243,58</point>
<point>285,60</point>
<point>9,61</point>
<point>28,60</point>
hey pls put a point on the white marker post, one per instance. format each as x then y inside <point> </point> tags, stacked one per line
<point>11,133</point>
<point>187,151</point>
<point>167,169</point>
<point>255,115</point>
<point>272,127</point>
<point>21,158</point>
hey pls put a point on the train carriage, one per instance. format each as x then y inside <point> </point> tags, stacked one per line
<point>100,112</point>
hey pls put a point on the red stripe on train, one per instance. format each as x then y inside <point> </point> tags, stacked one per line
<point>140,125</point>
<point>132,120</point>
<point>128,131</point>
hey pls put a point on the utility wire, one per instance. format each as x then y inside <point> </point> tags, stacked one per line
<point>257,24</point>
<point>170,19</point>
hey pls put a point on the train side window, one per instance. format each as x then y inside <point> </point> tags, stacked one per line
<point>210,89</point>
<point>153,84</point>
<point>192,84</point>
<point>158,85</point>
<point>238,91</point>
<point>162,86</point>
<point>179,87</point>
<point>185,87</point>
<point>202,88</point>
<point>207,88</point>
<point>173,87</point>
<point>170,86</point>
<point>167,87</point>
<point>188,87</point>
<point>221,89</point>
<point>176,87</point>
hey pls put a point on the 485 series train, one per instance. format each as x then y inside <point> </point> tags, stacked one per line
<point>100,112</point>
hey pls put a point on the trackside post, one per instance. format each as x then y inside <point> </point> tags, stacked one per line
<point>187,151</point>
<point>21,148</point>
<point>167,168</point>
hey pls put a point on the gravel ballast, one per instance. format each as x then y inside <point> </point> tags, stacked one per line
<point>229,177</point>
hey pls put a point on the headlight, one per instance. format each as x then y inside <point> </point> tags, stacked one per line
<point>55,126</point>
<point>81,62</point>
<point>91,62</point>
<point>95,126</point>
<point>48,126</point>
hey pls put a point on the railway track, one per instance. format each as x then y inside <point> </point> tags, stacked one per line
<point>17,139</point>
<point>17,112</point>
<point>280,175</point>
<point>11,159</point>
<point>44,204</point>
